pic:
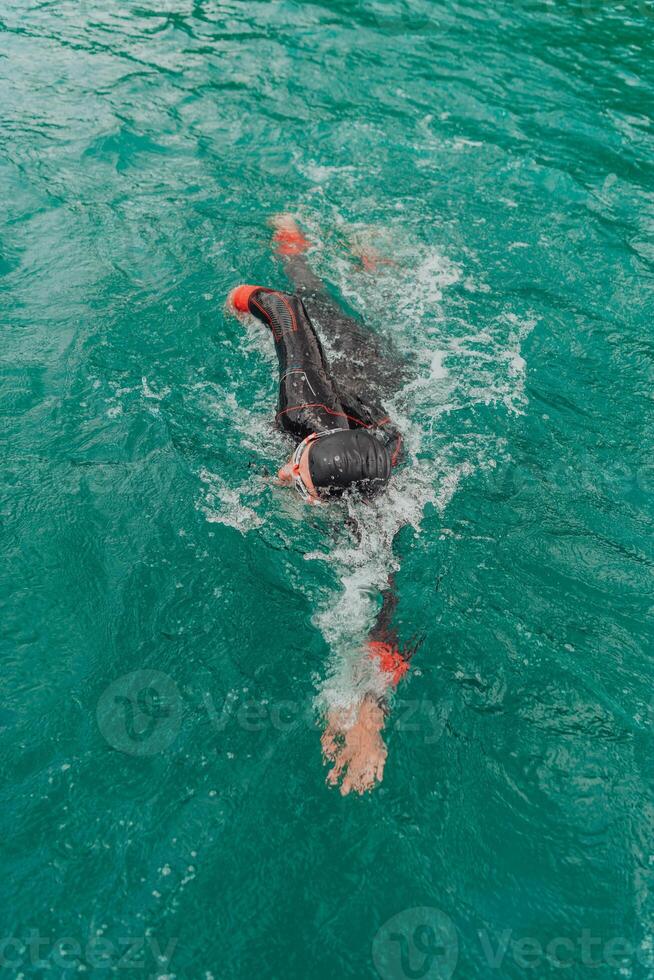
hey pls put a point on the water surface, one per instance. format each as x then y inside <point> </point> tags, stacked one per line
<point>501,155</point>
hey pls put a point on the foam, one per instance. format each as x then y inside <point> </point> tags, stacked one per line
<point>150,393</point>
<point>222,504</point>
<point>455,371</point>
<point>457,368</point>
<point>245,425</point>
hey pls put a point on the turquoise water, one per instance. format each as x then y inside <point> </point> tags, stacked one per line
<point>172,623</point>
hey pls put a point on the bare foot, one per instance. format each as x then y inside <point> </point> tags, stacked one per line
<point>338,721</point>
<point>356,747</point>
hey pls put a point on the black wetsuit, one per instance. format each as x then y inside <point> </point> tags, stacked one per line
<point>313,396</point>
<point>317,396</point>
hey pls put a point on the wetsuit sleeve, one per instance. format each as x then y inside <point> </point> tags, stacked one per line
<point>383,645</point>
<point>308,399</point>
<point>373,416</point>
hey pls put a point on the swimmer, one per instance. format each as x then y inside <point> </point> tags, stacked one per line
<point>345,443</point>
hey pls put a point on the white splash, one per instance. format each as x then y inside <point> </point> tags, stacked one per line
<point>222,504</point>
<point>455,367</point>
<point>149,392</point>
<point>456,370</point>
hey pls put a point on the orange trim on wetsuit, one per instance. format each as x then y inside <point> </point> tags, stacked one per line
<point>390,660</point>
<point>240,297</point>
<point>309,400</point>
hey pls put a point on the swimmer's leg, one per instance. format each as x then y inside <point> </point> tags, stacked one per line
<point>356,354</point>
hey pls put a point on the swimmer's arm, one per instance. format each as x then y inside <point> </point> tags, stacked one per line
<point>392,438</point>
<point>291,245</point>
<point>353,739</point>
<point>373,416</point>
<point>383,646</point>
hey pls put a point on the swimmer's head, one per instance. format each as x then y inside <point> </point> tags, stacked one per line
<point>325,465</point>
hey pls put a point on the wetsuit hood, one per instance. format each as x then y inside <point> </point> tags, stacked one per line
<point>349,458</point>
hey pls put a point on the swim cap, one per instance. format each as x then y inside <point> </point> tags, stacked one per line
<point>349,458</point>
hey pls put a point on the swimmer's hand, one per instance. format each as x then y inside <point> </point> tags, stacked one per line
<point>352,741</point>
